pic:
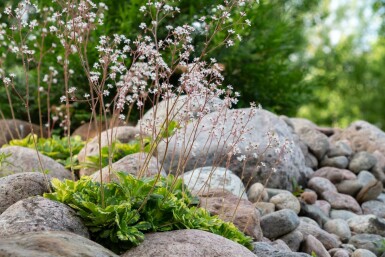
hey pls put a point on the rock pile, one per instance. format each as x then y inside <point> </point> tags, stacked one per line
<point>322,198</point>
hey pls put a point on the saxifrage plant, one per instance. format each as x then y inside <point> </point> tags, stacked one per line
<point>134,206</point>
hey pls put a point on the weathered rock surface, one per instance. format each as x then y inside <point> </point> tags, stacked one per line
<point>24,159</point>
<point>366,241</point>
<point>123,134</point>
<point>340,228</point>
<point>340,148</point>
<point>207,150</point>
<point>131,164</point>
<point>51,243</point>
<point>328,240</point>
<point>314,212</point>
<point>182,109</point>
<point>313,245</point>
<point>257,193</point>
<point>230,208</point>
<point>362,161</point>
<point>190,242</point>
<point>279,223</point>
<point>363,136</point>
<point>363,253</point>
<point>317,142</point>
<point>340,162</point>
<point>333,174</point>
<point>320,184</point>
<point>286,201</point>
<point>39,214</point>
<point>293,240</point>
<point>20,186</point>
<point>341,201</point>
<point>374,207</point>
<point>262,249</point>
<point>209,178</point>
<point>367,224</point>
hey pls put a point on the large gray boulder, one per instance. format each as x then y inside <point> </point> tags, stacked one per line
<point>20,186</point>
<point>181,109</point>
<point>24,159</point>
<point>39,214</point>
<point>51,243</point>
<point>226,139</point>
<point>190,242</point>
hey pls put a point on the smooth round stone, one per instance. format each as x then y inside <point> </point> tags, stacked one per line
<point>340,148</point>
<point>209,178</point>
<point>279,223</point>
<point>51,244</point>
<point>20,186</point>
<point>335,175</point>
<point>314,212</point>
<point>381,197</point>
<point>342,201</point>
<point>374,207</point>
<point>362,161</point>
<point>40,214</point>
<point>338,227</point>
<point>275,191</point>
<point>187,243</point>
<point>264,208</point>
<point>281,245</point>
<point>293,240</point>
<point>313,245</point>
<point>349,187</point>
<point>266,249</point>
<point>309,197</point>
<point>370,191</point>
<point>311,161</point>
<point>328,240</point>
<point>320,184</point>
<point>342,214</point>
<point>365,177</point>
<point>340,162</point>
<point>336,252</point>
<point>324,206</point>
<point>308,221</point>
<point>317,142</point>
<point>257,193</point>
<point>363,253</point>
<point>286,201</point>
<point>367,241</point>
<point>367,224</point>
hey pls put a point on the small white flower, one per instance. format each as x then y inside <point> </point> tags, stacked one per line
<point>241,158</point>
<point>71,90</point>
<point>63,98</point>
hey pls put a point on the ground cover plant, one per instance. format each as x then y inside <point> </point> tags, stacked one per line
<point>134,206</point>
